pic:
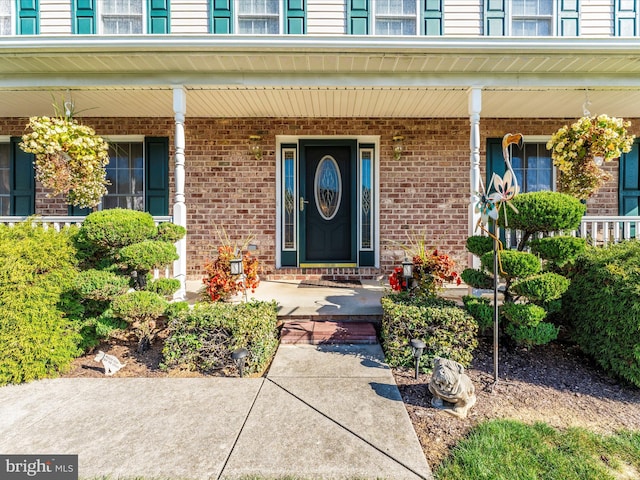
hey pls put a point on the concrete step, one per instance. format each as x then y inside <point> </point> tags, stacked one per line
<point>327,332</point>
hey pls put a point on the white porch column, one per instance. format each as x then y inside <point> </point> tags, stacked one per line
<point>475,106</point>
<point>179,207</point>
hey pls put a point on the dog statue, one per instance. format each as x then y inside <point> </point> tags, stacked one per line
<point>451,388</point>
<point>111,363</point>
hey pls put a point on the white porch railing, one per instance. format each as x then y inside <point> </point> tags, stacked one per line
<point>597,230</point>
<point>60,222</point>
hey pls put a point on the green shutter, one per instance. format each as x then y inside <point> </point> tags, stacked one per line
<point>28,23</point>
<point>629,182</point>
<point>358,17</point>
<point>625,18</point>
<point>494,18</point>
<point>158,21</point>
<point>495,159</point>
<point>296,19</point>
<point>568,18</point>
<point>432,17</point>
<point>84,17</point>
<point>21,181</point>
<point>157,175</point>
<point>222,18</point>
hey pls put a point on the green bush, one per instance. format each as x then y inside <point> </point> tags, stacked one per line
<point>515,264</point>
<point>140,309</point>
<point>558,250</point>
<point>544,212</point>
<point>203,339</point>
<point>115,228</point>
<point>165,287</point>
<point>170,232</point>
<point>481,309</point>
<point>100,285</point>
<point>479,245</point>
<point>603,303</point>
<point>542,288</point>
<point>477,278</point>
<point>37,269</point>
<point>523,314</point>
<point>147,255</point>
<point>175,309</point>
<point>447,330</point>
<point>532,335</point>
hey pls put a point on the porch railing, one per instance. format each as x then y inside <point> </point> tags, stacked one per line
<point>60,222</point>
<point>597,230</point>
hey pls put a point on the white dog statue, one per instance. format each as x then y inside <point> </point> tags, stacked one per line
<point>111,363</point>
<point>451,388</point>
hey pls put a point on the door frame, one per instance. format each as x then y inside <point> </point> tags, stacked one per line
<point>363,143</point>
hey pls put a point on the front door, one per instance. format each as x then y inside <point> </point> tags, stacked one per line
<point>327,203</point>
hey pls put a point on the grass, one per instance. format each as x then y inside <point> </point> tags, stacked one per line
<point>510,450</point>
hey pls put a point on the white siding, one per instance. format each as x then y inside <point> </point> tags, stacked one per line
<point>189,16</point>
<point>463,17</point>
<point>596,18</point>
<point>326,17</point>
<point>55,17</point>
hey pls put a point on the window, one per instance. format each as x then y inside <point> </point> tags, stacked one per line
<point>532,18</point>
<point>123,17</point>
<point>259,17</point>
<point>125,172</point>
<point>395,17</point>
<point>533,167</point>
<point>4,179</point>
<point>5,17</point>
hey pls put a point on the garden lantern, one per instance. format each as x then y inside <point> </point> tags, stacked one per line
<point>407,270</point>
<point>236,266</point>
<point>239,356</point>
<point>417,347</point>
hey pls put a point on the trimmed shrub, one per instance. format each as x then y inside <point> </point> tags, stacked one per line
<point>603,303</point>
<point>542,288</point>
<point>203,339</point>
<point>175,309</point>
<point>481,309</point>
<point>147,255</point>
<point>532,335</point>
<point>479,245</point>
<point>544,212</point>
<point>100,285</point>
<point>477,278</point>
<point>37,268</point>
<point>170,232</point>
<point>446,329</point>
<point>140,309</point>
<point>165,287</point>
<point>558,250</point>
<point>515,264</point>
<point>115,228</point>
<point>523,314</point>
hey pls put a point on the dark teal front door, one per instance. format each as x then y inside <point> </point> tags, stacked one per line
<point>327,203</point>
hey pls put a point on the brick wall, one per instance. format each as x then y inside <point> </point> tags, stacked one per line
<point>424,193</point>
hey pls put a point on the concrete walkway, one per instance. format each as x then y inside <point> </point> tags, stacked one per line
<point>331,412</point>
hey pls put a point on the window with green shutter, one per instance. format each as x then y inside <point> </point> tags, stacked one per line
<point>568,18</point>
<point>432,23</point>
<point>28,21</point>
<point>358,17</point>
<point>221,16</point>
<point>84,17</point>
<point>21,181</point>
<point>532,18</point>
<point>295,19</point>
<point>626,21</point>
<point>158,16</point>
<point>494,18</point>
<point>629,182</point>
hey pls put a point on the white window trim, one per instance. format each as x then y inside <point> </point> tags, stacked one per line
<point>132,139</point>
<point>280,16</point>
<point>554,17</point>
<point>99,26</point>
<point>12,18</point>
<point>416,18</point>
<point>544,139</point>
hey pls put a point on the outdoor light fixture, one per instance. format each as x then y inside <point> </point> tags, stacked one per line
<point>236,266</point>
<point>239,356</point>
<point>397,146</point>
<point>407,270</point>
<point>417,347</point>
<point>255,146</point>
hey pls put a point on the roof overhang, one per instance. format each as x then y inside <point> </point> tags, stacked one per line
<point>320,76</point>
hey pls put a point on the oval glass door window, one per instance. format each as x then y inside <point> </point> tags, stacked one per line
<point>328,187</point>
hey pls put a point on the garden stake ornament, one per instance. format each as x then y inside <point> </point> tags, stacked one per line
<point>489,205</point>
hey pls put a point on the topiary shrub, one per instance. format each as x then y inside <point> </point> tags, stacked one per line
<point>100,285</point>
<point>481,309</point>
<point>479,245</point>
<point>532,335</point>
<point>203,339</point>
<point>145,256</point>
<point>170,232</point>
<point>165,287</point>
<point>523,314</point>
<point>560,250</point>
<point>115,228</point>
<point>37,269</point>
<point>446,329</point>
<point>514,264</point>
<point>542,288</point>
<point>477,278</point>
<point>603,303</point>
<point>140,309</point>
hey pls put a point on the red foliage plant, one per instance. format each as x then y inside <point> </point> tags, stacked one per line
<point>220,285</point>
<point>431,270</point>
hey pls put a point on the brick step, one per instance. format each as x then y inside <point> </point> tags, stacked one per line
<point>327,332</point>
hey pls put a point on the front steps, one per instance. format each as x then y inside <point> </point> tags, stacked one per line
<point>327,332</point>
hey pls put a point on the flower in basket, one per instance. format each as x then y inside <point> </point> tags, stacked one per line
<point>70,158</point>
<point>578,151</point>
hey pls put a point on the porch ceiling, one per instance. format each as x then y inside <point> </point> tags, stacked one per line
<point>319,76</point>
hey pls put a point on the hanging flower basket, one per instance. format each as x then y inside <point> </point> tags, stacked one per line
<point>70,158</point>
<point>580,149</point>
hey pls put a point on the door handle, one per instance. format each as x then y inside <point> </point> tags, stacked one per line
<point>302,202</point>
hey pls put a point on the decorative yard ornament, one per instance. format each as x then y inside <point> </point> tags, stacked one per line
<point>110,363</point>
<point>70,157</point>
<point>451,388</point>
